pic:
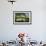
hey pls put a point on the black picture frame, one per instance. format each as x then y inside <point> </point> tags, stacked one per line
<point>22,17</point>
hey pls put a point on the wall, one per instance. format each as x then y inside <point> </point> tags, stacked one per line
<point>9,31</point>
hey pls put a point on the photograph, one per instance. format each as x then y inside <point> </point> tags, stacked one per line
<point>22,22</point>
<point>22,17</point>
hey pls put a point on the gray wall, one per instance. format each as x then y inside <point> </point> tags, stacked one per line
<point>9,31</point>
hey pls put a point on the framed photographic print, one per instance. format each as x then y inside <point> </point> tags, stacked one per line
<point>22,17</point>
